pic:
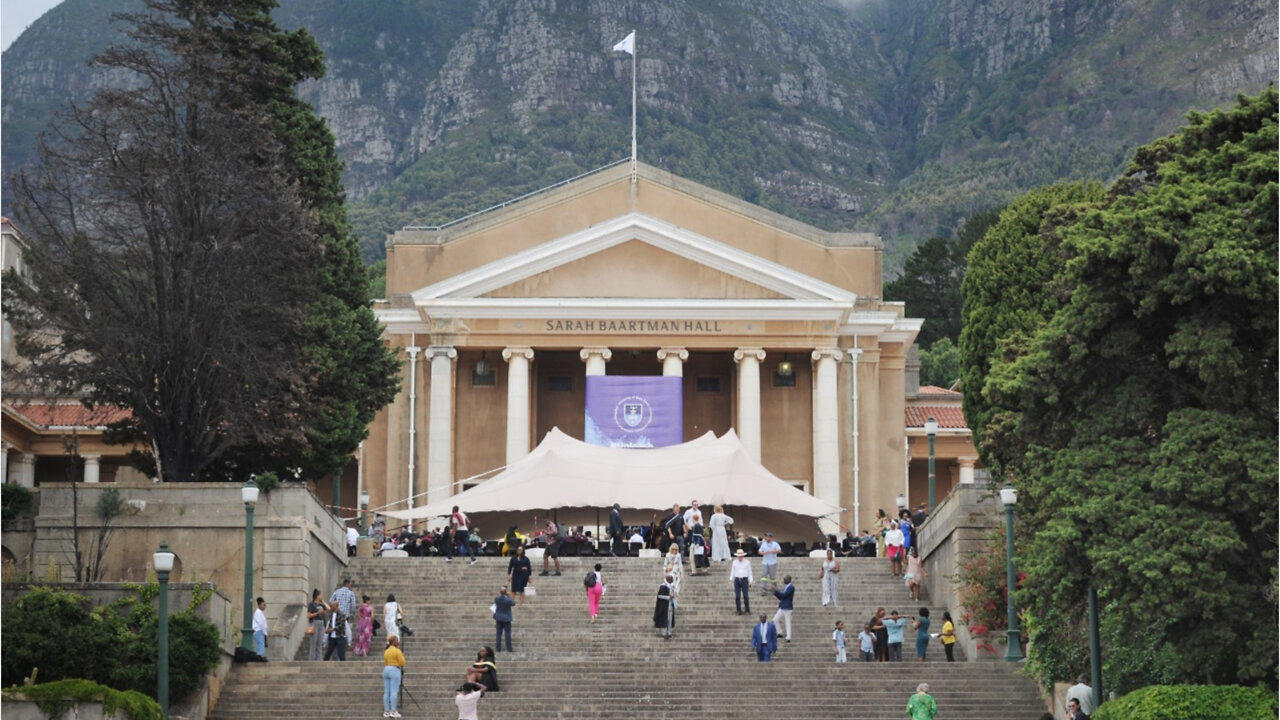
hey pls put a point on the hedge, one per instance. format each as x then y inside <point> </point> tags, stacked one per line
<point>63,635</point>
<point>55,698</point>
<point>1192,702</point>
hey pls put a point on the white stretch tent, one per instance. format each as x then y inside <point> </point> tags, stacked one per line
<point>577,480</point>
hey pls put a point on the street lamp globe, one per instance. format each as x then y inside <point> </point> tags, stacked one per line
<point>364,498</point>
<point>249,493</point>
<point>1009,495</point>
<point>931,427</point>
<point>163,559</point>
<point>902,500</point>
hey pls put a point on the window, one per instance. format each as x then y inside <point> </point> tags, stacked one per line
<point>559,383</point>
<point>708,384</point>
<point>780,380</point>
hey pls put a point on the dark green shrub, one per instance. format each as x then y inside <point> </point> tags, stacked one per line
<point>1192,702</point>
<point>15,500</point>
<point>193,645</point>
<point>57,632</point>
<point>55,698</point>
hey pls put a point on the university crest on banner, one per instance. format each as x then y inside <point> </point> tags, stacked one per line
<point>634,411</point>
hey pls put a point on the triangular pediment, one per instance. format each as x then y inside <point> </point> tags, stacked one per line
<point>634,269</point>
<point>713,264</point>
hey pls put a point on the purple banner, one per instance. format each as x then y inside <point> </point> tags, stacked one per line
<point>634,411</point>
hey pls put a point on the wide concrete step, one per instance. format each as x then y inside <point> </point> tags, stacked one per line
<point>567,668</point>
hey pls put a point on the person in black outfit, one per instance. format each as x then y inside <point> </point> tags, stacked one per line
<point>617,533</point>
<point>673,530</point>
<point>519,570</point>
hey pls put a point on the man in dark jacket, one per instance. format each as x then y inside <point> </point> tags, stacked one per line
<point>617,533</point>
<point>502,618</point>
<point>786,601</point>
<point>673,529</point>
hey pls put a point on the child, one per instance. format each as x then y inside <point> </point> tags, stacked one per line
<point>837,637</point>
<point>867,644</point>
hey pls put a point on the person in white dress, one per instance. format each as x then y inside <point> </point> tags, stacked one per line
<point>390,614</point>
<point>830,579</point>
<point>720,535</point>
<point>673,566</point>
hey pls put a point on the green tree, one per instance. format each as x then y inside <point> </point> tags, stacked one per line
<point>171,277</point>
<point>940,363</point>
<point>932,276</point>
<point>1135,405</point>
<point>1005,301</point>
<point>354,374</point>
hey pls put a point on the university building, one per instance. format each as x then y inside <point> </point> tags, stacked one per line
<point>778,329</point>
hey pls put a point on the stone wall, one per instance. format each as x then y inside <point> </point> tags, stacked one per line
<point>217,609</point>
<point>957,527</point>
<point>298,544</point>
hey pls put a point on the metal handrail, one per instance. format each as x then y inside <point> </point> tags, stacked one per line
<point>505,203</point>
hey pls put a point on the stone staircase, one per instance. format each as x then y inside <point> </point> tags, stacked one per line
<point>564,667</point>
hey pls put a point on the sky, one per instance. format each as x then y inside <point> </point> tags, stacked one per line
<point>16,15</point>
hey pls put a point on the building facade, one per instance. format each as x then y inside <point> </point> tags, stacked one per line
<point>778,329</point>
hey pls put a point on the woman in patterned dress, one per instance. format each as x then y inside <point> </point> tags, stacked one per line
<point>364,627</point>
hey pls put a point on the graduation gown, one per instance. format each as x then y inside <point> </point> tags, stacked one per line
<point>664,607</point>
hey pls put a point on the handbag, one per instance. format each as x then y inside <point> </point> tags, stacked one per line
<point>493,609</point>
<point>311,630</point>
<point>530,591</point>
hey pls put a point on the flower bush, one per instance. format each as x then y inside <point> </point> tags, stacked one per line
<point>983,595</point>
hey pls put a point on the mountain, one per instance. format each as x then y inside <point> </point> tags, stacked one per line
<point>901,116</point>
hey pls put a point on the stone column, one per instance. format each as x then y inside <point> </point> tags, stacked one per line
<point>517,401</point>
<point>92,468</point>
<point>4,462</point>
<point>749,359</point>
<point>440,424</point>
<point>27,470</point>
<point>966,470</point>
<point>826,430</point>
<point>672,359</point>
<point>595,358</point>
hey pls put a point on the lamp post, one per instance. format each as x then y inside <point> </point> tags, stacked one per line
<point>364,509</point>
<point>1013,653</point>
<point>249,494</point>
<point>902,501</point>
<point>1095,646</point>
<point>337,492</point>
<point>162,560</point>
<point>931,429</point>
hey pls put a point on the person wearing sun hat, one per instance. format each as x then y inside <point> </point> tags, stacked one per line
<point>740,576</point>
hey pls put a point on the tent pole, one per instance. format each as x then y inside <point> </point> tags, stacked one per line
<point>597,529</point>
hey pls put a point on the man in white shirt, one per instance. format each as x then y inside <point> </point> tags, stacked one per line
<point>769,551</point>
<point>353,537</point>
<point>693,516</point>
<point>636,541</point>
<point>260,629</point>
<point>1084,694</point>
<point>740,576</point>
<point>467,698</point>
<point>461,535</point>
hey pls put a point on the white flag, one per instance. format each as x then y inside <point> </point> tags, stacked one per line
<point>628,44</point>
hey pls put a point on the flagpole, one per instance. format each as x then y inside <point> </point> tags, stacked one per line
<point>633,110</point>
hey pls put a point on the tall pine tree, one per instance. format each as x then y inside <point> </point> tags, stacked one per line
<point>354,374</point>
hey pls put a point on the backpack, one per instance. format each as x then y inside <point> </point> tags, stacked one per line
<point>589,581</point>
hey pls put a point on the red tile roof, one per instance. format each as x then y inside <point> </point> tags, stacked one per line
<point>950,417</point>
<point>45,413</point>
<point>935,390</point>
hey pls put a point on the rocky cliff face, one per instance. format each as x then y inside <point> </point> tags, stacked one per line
<point>897,115</point>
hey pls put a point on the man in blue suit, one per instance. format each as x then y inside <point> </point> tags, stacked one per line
<point>764,639</point>
<point>786,599</point>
